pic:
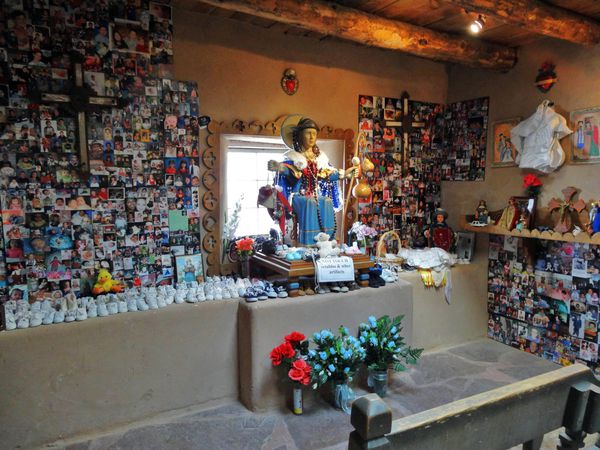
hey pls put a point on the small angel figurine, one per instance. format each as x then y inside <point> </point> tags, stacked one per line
<point>481,214</point>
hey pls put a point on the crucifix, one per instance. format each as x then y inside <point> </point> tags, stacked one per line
<point>81,99</point>
<point>407,128</point>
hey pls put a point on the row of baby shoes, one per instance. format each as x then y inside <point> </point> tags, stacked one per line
<point>259,290</point>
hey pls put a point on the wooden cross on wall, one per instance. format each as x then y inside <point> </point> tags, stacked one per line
<point>81,99</point>
<point>407,128</point>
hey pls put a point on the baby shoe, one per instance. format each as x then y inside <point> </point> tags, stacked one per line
<point>200,294</point>
<point>309,290</point>
<point>191,297</point>
<point>113,308</point>
<point>10,321</point>
<point>209,291</point>
<point>321,289</point>
<point>281,292</point>
<point>36,306</point>
<point>123,306</point>
<point>343,287</point>
<point>71,315</point>
<point>179,297</point>
<point>23,321</point>
<point>161,302</point>
<point>131,305</point>
<point>81,314</point>
<point>152,303</point>
<point>48,318</point>
<point>102,309</point>
<point>218,291</point>
<point>261,294</point>
<point>92,309</point>
<point>226,293</point>
<point>271,293</point>
<point>335,287</point>
<point>141,304</point>
<point>250,295</point>
<point>59,316</point>
<point>240,286</point>
<point>388,276</point>
<point>169,298</point>
<point>36,318</point>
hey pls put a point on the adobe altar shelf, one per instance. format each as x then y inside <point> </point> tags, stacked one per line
<point>293,270</point>
<point>582,237</point>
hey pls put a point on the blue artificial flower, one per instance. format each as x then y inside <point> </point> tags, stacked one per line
<point>317,336</point>
<point>317,367</point>
<point>391,344</point>
<point>312,353</point>
<point>372,321</point>
<point>331,367</point>
<point>345,354</point>
<point>397,335</point>
<point>323,356</point>
<point>345,330</point>
<point>393,330</point>
<point>362,339</point>
<point>347,369</point>
<point>373,340</point>
<point>331,351</point>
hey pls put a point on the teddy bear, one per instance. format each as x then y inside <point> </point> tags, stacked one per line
<point>326,247</point>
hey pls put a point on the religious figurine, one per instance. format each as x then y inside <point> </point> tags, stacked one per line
<point>510,215</point>
<point>308,180</point>
<point>595,218</point>
<point>523,222</point>
<point>439,233</point>
<point>481,214</point>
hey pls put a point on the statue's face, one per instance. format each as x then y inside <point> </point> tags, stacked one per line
<point>308,138</point>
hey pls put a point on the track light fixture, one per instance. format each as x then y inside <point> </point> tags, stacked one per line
<point>477,24</point>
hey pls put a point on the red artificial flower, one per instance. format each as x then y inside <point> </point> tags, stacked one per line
<point>286,349</point>
<point>300,372</point>
<point>531,181</point>
<point>294,337</point>
<point>296,374</point>
<point>244,245</point>
<point>300,364</point>
<point>276,356</point>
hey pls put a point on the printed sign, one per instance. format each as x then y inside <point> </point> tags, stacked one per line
<point>335,269</point>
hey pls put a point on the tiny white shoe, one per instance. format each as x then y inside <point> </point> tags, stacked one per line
<point>169,299</point>
<point>36,306</point>
<point>36,318</point>
<point>102,309</point>
<point>152,304</point>
<point>59,316</point>
<point>191,297</point>
<point>113,308</point>
<point>81,314</point>
<point>23,322</point>
<point>123,306</point>
<point>161,301</point>
<point>48,317</point>
<point>92,309</point>
<point>131,304</point>
<point>10,321</point>
<point>179,298</point>
<point>71,315</point>
<point>141,305</point>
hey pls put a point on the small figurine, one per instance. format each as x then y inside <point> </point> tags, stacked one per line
<point>439,233</point>
<point>595,217</point>
<point>523,223</point>
<point>105,284</point>
<point>482,215</point>
<point>510,215</point>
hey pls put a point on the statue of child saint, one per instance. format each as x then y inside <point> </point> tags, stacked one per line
<point>308,181</point>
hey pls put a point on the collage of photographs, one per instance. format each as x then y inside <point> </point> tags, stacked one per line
<point>543,298</point>
<point>135,212</point>
<point>406,183</point>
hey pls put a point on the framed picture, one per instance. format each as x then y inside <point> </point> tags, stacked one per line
<point>465,245</point>
<point>585,124</point>
<point>526,210</point>
<point>189,268</point>
<point>504,151</point>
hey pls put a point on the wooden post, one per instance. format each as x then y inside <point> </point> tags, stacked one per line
<point>372,419</point>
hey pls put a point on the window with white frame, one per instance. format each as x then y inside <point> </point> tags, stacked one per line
<point>246,171</point>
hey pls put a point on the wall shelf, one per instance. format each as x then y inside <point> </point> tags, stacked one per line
<point>550,235</point>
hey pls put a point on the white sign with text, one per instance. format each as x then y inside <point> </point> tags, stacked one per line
<point>339,268</point>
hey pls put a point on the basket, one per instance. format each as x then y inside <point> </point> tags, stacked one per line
<point>381,248</point>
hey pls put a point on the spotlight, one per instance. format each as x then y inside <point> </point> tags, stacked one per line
<point>477,25</point>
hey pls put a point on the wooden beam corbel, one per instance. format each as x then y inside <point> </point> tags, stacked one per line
<point>368,29</point>
<point>538,17</point>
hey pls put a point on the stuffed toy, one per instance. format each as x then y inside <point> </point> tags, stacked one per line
<point>105,284</point>
<point>325,246</point>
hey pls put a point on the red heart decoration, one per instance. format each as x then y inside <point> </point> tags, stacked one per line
<point>290,85</point>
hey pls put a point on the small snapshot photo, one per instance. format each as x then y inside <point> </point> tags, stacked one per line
<point>129,37</point>
<point>189,268</point>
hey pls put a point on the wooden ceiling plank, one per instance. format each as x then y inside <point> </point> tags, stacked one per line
<point>539,17</point>
<point>367,29</point>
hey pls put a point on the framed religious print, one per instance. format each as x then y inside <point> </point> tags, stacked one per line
<point>585,124</point>
<point>504,153</point>
<point>189,268</point>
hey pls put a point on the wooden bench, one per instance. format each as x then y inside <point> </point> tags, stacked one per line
<point>520,413</point>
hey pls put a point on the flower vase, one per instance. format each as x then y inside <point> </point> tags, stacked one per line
<point>298,404</point>
<point>378,381</point>
<point>343,396</point>
<point>245,267</point>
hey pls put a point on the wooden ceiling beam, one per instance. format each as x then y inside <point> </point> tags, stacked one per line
<point>538,17</point>
<point>368,29</point>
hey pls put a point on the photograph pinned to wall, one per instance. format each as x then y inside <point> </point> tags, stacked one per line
<point>504,151</point>
<point>189,268</point>
<point>586,136</point>
<point>129,37</point>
